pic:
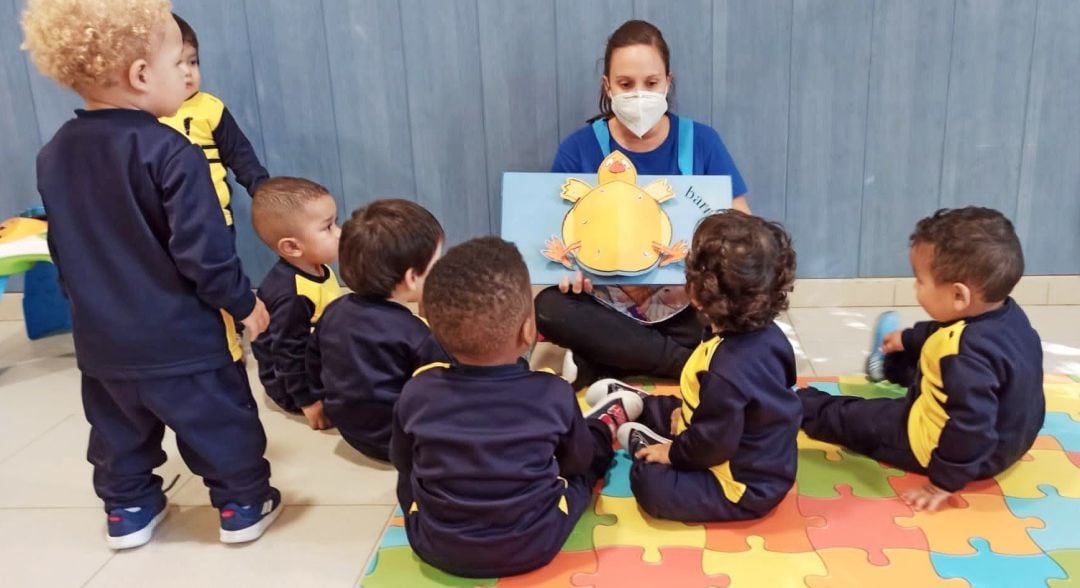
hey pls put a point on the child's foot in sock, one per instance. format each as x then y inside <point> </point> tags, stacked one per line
<point>634,437</point>
<point>602,388</point>
<point>887,322</point>
<point>617,409</point>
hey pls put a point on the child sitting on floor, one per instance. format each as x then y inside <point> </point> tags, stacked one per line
<point>975,402</point>
<point>732,455</point>
<point>495,462</point>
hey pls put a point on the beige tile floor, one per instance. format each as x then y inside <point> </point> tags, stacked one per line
<point>337,503</point>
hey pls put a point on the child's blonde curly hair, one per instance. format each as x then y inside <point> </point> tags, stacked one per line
<point>90,43</point>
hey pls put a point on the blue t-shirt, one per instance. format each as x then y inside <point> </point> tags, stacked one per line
<point>580,153</point>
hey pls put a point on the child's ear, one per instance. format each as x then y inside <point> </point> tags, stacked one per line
<point>410,279</point>
<point>138,75</point>
<point>962,296</point>
<point>289,247</point>
<point>527,335</point>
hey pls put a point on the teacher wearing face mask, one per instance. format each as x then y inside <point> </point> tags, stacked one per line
<point>615,331</point>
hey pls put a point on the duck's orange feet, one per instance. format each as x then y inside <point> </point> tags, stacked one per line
<point>670,255</point>
<point>556,250</point>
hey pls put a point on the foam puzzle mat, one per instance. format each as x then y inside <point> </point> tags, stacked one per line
<point>842,524</point>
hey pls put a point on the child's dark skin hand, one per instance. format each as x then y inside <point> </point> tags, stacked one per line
<point>316,418</point>
<point>927,497</point>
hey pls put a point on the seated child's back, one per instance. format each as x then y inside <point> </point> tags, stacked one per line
<point>368,343</point>
<point>495,462</point>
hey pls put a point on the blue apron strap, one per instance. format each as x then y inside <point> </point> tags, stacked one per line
<point>603,136</point>
<point>686,146</point>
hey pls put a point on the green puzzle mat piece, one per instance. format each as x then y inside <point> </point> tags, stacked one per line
<point>398,566</point>
<point>581,538</point>
<point>818,477</point>
<point>1069,560</point>
<point>872,390</point>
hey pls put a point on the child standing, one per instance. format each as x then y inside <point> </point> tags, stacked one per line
<point>368,343</point>
<point>149,268</point>
<point>975,400</point>
<point>495,462</point>
<point>206,122</point>
<point>733,453</point>
<point>297,218</point>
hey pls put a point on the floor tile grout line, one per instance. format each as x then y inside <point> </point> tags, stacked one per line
<point>36,438</point>
<point>98,571</point>
<point>374,549</point>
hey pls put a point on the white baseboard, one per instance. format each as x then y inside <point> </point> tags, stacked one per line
<point>817,293</point>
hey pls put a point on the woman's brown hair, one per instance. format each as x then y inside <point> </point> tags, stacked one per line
<point>632,32</point>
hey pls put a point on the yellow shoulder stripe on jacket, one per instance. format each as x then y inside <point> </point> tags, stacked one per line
<point>431,366</point>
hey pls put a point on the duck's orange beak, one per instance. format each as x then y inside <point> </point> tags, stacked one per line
<point>617,167</point>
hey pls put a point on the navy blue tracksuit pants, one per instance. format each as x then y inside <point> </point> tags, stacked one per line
<point>217,431</point>
<point>678,495</point>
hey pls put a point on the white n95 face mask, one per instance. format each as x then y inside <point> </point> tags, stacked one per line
<point>639,111</point>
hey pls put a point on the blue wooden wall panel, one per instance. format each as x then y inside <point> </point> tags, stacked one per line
<point>517,40</point>
<point>689,35</point>
<point>830,48</point>
<point>582,30</point>
<point>442,62</point>
<point>751,65</point>
<point>850,119</point>
<point>909,75</point>
<point>367,66</point>
<point>991,59</point>
<point>1048,215</point>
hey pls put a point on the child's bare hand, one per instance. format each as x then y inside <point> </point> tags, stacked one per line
<point>676,416</point>
<point>658,453</point>
<point>316,418</point>
<point>892,342</point>
<point>928,497</point>
<point>578,285</point>
<point>256,322</point>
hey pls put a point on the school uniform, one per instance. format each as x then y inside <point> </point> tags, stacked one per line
<point>154,283</point>
<point>973,408</point>
<point>360,355</point>
<point>495,466</point>
<point>734,454</point>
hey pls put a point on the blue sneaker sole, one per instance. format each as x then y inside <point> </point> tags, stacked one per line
<point>138,538</point>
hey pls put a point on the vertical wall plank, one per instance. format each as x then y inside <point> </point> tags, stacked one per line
<point>18,126</point>
<point>517,42</point>
<point>292,82</point>
<point>991,60</point>
<point>830,60</point>
<point>442,61</point>
<point>688,31</point>
<point>225,63</point>
<point>367,66</point>
<point>909,76</point>
<point>1048,215</point>
<point>751,79</point>
<point>582,30</point>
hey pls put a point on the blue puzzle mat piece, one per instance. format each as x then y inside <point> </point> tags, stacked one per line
<point>617,481</point>
<point>830,388</point>
<point>394,537</point>
<point>1061,427</point>
<point>995,569</point>
<point>1061,515</point>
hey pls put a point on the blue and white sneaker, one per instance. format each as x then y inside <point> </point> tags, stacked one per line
<point>634,437</point>
<point>887,322</point>
<point>243,523</point>
<point>601,388</point>
<point>132,527</point>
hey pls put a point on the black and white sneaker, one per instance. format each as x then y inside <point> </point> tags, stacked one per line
<point>634,437</point>
<point>617,409</point>
<point>601,388</point>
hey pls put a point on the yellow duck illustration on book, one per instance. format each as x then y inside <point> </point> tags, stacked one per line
<point>616,227</point>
